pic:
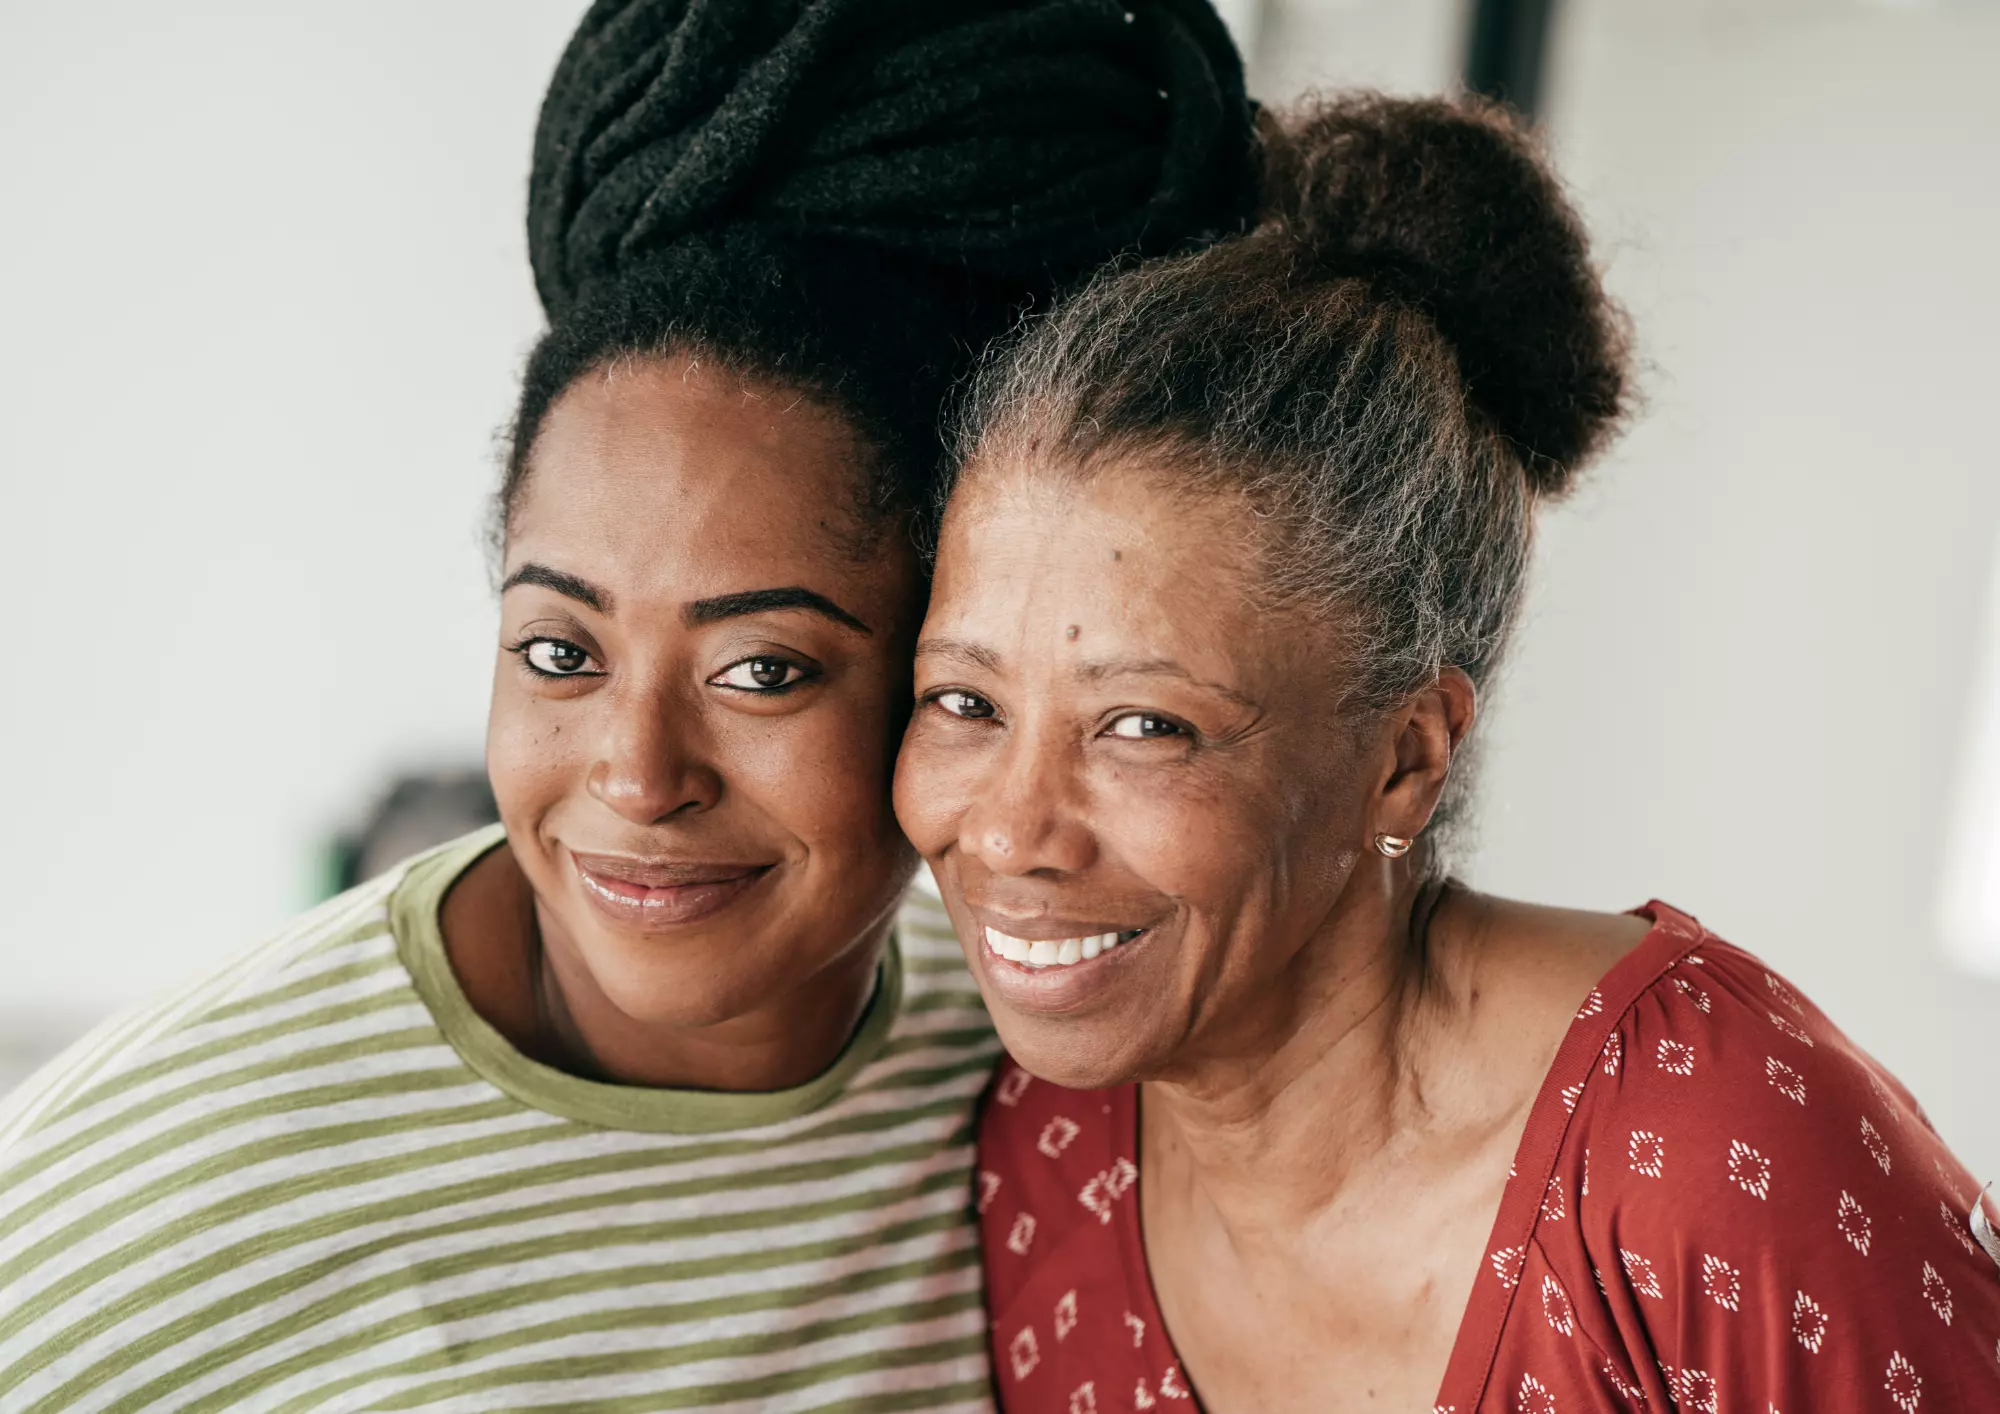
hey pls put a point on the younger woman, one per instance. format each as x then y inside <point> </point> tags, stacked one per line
<point>636,1103</point>
<point>1239,541</point>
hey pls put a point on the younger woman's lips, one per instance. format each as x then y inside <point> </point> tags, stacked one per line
<point>644,895</point>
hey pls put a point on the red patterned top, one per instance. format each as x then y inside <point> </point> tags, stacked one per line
<point>1719,1204</point>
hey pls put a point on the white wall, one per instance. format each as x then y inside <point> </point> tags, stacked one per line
<point>1745,679</point>
<point>1745,682</point>
<point>263,295</point>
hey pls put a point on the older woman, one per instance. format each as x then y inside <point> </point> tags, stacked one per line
<point>1237,545</point>
<point>638,1102</point>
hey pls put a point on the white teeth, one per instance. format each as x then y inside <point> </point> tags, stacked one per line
<point>1054,952</point>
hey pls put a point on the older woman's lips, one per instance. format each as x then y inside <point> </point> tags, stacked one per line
<point>648,894</point>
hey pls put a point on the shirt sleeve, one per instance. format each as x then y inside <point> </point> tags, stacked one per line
<point>1765,1221</point>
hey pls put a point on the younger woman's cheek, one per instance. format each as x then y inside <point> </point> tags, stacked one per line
<point>527,760</point>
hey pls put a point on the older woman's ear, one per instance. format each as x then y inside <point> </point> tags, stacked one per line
<point>1426,732</point>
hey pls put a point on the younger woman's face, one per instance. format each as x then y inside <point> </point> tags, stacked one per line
<point>703,672</point>
<point>1128,772</point>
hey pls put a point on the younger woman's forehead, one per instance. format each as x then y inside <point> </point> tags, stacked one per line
<point>680,483</point>
<point>685,436</point>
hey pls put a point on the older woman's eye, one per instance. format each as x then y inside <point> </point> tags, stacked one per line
<point>762,674</point>
<point>1144,726</point>
<point>556,658</point>
<point>961,703</point>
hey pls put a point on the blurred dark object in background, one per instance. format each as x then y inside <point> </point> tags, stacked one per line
<point>1508,50</point>
<point>416,812</point>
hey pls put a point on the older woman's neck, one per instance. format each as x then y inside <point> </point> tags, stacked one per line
<point>1351,1063</point>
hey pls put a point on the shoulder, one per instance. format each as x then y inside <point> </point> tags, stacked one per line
<point>1763,1199</point>
<point>1718,1070</point>
<point>184,1140</point>
<point>939,993</point>
<point>924,931</point>
<point>341,949</point>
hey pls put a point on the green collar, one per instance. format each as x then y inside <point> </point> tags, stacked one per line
<point>413,916</point>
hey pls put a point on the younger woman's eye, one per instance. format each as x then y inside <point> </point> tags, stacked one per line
<point>761,675</point>
<point>555,658</point>
<point>961,703</point>
<point>1144,726</point>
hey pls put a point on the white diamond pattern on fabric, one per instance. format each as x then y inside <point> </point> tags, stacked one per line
<point>1749,1170</point>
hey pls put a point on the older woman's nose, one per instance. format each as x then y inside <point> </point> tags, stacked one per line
<point>651,763</point>
<point>1025,817</point>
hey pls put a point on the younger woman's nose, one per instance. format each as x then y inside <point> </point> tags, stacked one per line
<point>651,763</point>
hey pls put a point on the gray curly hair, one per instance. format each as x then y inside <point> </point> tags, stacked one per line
<point>1408,353</point>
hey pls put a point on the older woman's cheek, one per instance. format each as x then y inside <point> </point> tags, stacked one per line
<point>933,787</point>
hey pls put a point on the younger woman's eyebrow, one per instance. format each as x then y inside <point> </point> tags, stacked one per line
<point>567,585</point>
<point>764,601</point>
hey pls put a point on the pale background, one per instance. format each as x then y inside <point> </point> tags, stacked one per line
<point>263,298</point>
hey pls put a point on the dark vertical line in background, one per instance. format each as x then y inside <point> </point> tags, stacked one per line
<point>1507,50</point>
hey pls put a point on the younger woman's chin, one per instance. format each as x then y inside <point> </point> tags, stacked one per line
<point>685,994</point>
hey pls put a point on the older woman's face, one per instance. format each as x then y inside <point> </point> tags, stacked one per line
<point>701,680</point>
<point>1129,775</point>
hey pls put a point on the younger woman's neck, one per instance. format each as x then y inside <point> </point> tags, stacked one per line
<point>547,1005</point>
<point>783,1042</point>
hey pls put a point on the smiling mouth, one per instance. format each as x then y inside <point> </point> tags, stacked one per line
<point>654,894</point>
<point>1055,952</point>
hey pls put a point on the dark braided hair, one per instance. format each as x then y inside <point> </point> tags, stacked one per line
<point>851,197</point>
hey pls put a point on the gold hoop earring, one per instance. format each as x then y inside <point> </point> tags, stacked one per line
<point>1392,846</point>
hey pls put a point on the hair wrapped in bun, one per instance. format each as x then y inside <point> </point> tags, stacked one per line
<point>854,195</point>
<point>1406,354</point>
<point>1451,209</point>
<point>1018,139</point>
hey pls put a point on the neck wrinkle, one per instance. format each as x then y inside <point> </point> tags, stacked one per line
<point>1270,1138</point>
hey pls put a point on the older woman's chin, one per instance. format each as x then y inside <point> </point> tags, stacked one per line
<point>1078,1053</point>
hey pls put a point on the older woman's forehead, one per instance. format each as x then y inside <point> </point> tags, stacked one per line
<point>1108,564</point>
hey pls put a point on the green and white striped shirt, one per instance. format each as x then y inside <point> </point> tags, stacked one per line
<point>319,1181</point>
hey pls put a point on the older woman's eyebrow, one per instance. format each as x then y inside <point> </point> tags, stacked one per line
<point>563,583</point>
<point>1098,670</point>
<point>765,601</point>
<point>972,655</point>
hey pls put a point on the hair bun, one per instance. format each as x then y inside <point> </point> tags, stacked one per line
<point>1015,138</point>
<point>1451,208</point>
